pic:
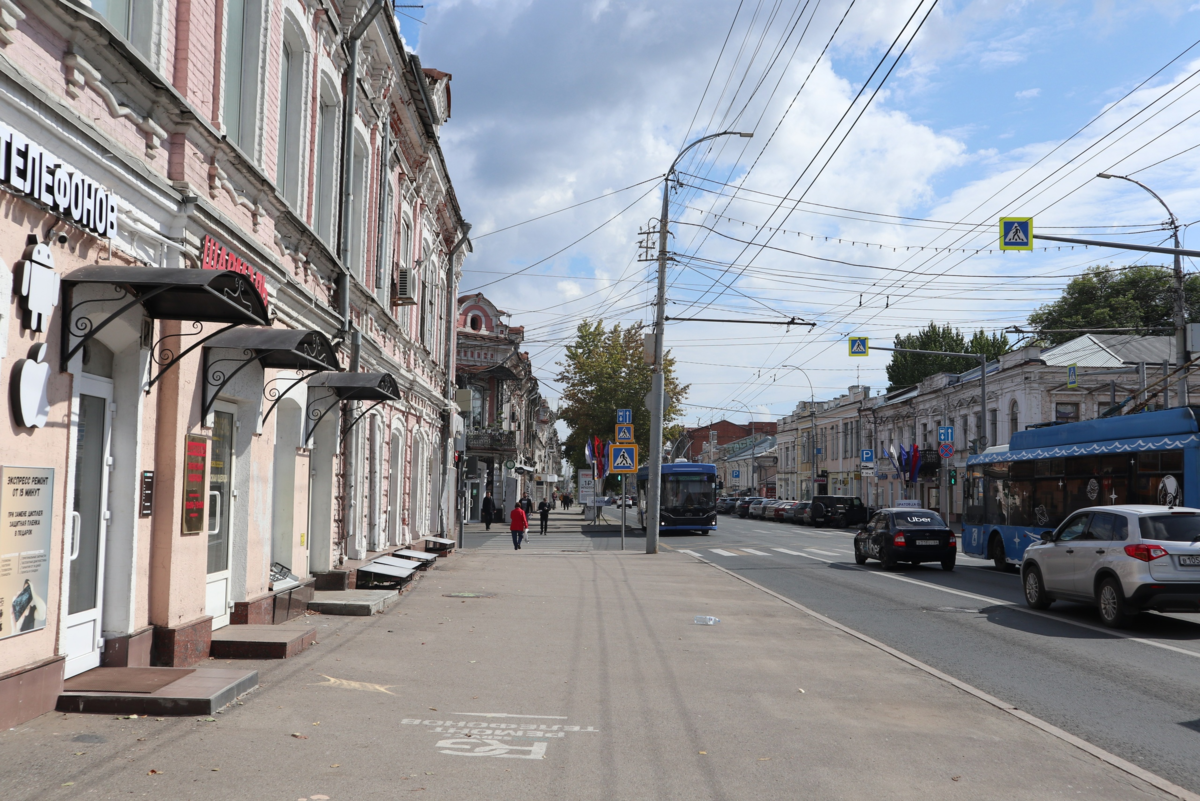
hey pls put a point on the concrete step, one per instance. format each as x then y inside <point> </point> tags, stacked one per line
<point>155,691</point>
<point>261,641</point>
<point>353,602</point>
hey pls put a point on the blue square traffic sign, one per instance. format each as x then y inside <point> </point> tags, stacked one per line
<point>624,459</point>
<point>868,456</point>
<point>945,433</point>
<point>737,473</point>
<point>1016,233</point>
<point>625,416</point>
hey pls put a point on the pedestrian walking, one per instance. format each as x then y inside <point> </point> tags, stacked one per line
<point>518,525</point>
<point>488,511</point>
<point>526,504</point>
<point>544,514</point>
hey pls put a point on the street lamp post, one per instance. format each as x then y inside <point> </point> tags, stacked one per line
<point>1180,308</point>
<point>654,479</point>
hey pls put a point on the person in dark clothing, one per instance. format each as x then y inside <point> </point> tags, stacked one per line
<point>544,514</point>
<point>526,504</point>
<point>487,511</point>
<point>518,525</point>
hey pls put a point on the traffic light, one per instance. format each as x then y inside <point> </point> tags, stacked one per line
<point>953,476</point>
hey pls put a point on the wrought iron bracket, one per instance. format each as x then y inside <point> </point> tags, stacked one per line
<point>169,355</point>
<point>346,430</point>
<point>313,417</point>
<point>216,380</point>
<point>83,328</point>
<point>276,396</point>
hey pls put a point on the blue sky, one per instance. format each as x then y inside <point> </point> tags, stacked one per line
<point>557,102</point>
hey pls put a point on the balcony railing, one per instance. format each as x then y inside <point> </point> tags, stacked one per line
<point>491,440</point>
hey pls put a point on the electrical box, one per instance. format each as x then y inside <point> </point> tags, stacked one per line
<point>1193,338</point>
<point>648,348</point>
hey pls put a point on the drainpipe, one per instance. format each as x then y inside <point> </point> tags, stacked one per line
<point>451,319</point>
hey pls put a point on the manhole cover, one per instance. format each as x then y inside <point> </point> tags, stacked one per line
<point>468,595</point>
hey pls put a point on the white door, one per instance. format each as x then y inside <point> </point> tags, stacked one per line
<point>88,522</point>
<point>220,514</point>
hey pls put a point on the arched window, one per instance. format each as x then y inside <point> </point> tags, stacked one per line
<point>243,27</point>
<point>418,478</point>
<point>357,222</point>
<point>1014,424</point>
<point>476,409</point>
<point>326,163</point>
<point>290,164</point>
<point>395,488</point>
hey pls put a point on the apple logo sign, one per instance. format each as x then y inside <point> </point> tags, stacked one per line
<point>30,379</point>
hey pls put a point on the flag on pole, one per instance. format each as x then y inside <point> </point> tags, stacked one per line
<point>588,455</point>
<point>915,460</point>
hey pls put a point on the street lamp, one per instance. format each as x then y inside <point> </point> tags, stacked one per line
<point>654,479</point>
<point>1180,313</point>
<point>812,410</point>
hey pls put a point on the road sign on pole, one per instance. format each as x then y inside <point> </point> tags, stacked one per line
<point>624,459</point>
<point>945,433</point>
<point>625,416</point>
<point>868,456</point>
<point>867,470</point>
<point>1072,377</point>
<point>1016,233</point>
<point>946,450</point>
<point>860,346</point>
<point>737,473</point>
<point>624,432</point>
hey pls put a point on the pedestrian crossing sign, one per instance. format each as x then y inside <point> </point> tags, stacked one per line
<point>1016,233</point>
<point>859,346</point>
<point>624,433</point>
<point>624,459</point>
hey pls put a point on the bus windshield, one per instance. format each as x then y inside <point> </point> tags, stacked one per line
<point>689,492</point>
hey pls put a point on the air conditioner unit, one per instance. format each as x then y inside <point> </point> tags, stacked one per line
<point>404,288</point>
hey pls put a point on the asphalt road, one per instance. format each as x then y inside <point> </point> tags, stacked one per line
<point>1136,694</point>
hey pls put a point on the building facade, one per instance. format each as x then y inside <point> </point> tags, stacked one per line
<point>704,441</point>
<point>231,249</point>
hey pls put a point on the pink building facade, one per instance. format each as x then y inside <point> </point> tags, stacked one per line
<point>228,341</point>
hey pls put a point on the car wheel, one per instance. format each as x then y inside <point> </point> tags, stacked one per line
<point>948,562</point>
<point>996,552</point>
<point>1114,610</point>
<point>860,558</point>
<point>1035,590</point>
<point>888,560</point>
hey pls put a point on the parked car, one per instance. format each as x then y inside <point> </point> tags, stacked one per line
<point>781,509</point>
<point>725,504</point>
<point>1123,559</point>
<point>841,511</point>
<point>743,505</point>
<point>797,512</point>
<point>756,507</point>
<point>906,535</point>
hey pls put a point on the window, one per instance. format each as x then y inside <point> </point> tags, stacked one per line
<point>327,140</point>
<point>243,26</point>
<point>1066,412</point>
<point>133,19</point>
<point>356,224</point>
<point>1014,424</point>
<point>291,101</point>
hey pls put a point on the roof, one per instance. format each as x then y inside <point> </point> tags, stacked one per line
<point>283,348</point>
<point>358,386</point>
<point>215,296</point>
<point>1110,350</point>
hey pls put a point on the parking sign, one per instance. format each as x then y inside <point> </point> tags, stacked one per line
<point>868,456</point>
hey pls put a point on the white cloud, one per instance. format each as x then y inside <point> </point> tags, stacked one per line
<point>1027,94</point>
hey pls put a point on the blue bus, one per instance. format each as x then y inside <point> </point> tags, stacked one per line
<point>688,500</point>
<point>1013,493</point>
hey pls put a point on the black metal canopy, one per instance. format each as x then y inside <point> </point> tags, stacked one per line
<point>205,296</point>
<point>359,386</point>
<point>281,348</point>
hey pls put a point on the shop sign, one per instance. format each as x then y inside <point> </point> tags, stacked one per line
<point>218,257</point>
<point>146,506</point>
<point>31,170</point>
<point>195,484</point>
<point>26,512</point>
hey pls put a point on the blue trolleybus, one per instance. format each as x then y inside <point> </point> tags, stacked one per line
<point>1013,493</point>
<point>689,497</point>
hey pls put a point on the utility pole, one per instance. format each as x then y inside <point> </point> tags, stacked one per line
<point>654,477</point>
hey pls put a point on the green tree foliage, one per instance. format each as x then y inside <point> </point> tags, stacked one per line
<point>907,369</point>
<point>1104,297</point>
<point>604,370</point>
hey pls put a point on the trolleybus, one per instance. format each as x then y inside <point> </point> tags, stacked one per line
<point>688,500</point>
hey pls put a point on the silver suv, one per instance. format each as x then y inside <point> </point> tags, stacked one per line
<point>1124,559</point>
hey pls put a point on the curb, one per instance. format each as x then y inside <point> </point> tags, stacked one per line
<point>1104,756</point>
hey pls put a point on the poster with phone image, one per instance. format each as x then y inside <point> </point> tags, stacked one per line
<point>26,512</point>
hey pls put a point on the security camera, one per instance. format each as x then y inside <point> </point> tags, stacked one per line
<point>62,238</point>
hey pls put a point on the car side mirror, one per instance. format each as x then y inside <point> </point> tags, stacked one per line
<point>1047,536</point>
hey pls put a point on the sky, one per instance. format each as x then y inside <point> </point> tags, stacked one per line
<point>888,138</point>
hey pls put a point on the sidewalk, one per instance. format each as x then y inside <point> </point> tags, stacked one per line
<point>566,532</point>
<point>575,676</point>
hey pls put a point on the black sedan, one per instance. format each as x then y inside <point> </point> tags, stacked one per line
<point>725,505</point>
<point>743,505</point>
<point>796,513</point>
<point>905,535</point>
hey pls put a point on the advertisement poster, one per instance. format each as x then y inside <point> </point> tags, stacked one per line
<point>26,522</point>
<point>195,487</point>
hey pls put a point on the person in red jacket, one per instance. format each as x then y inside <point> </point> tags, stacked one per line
<point>518,525</point>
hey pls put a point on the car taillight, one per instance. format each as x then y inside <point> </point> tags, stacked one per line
<point>899,539</point>
<point>950,541</point>
<point>1146,553</point>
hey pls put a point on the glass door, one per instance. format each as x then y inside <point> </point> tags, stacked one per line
<point>87,524</point>
<point>220,508</point>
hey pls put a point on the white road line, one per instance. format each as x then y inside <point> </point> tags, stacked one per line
<point>1018,608</point>
<point>756,553</point>
<point>723,553</point>
<point>691,553</point>
<point>760,531</point>
<point>827,553</point>
<point>793,553</point>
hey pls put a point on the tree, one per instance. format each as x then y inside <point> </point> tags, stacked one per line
<point>907,369</point>
<point>604,370</point>
<point>1140,297</point>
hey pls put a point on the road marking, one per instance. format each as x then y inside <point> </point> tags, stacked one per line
<point>756,553</point>
<point>506,715</point>
<point>1017,607</point>
<point>818,550</point>
<point>350,684</point>
<point>723,553</point>
<point>690,553</point>
<point>1083,745</point>
<point>793,553</point>
<point>760,531</point>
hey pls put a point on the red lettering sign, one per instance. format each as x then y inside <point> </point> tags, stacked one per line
<point>218,257</point>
